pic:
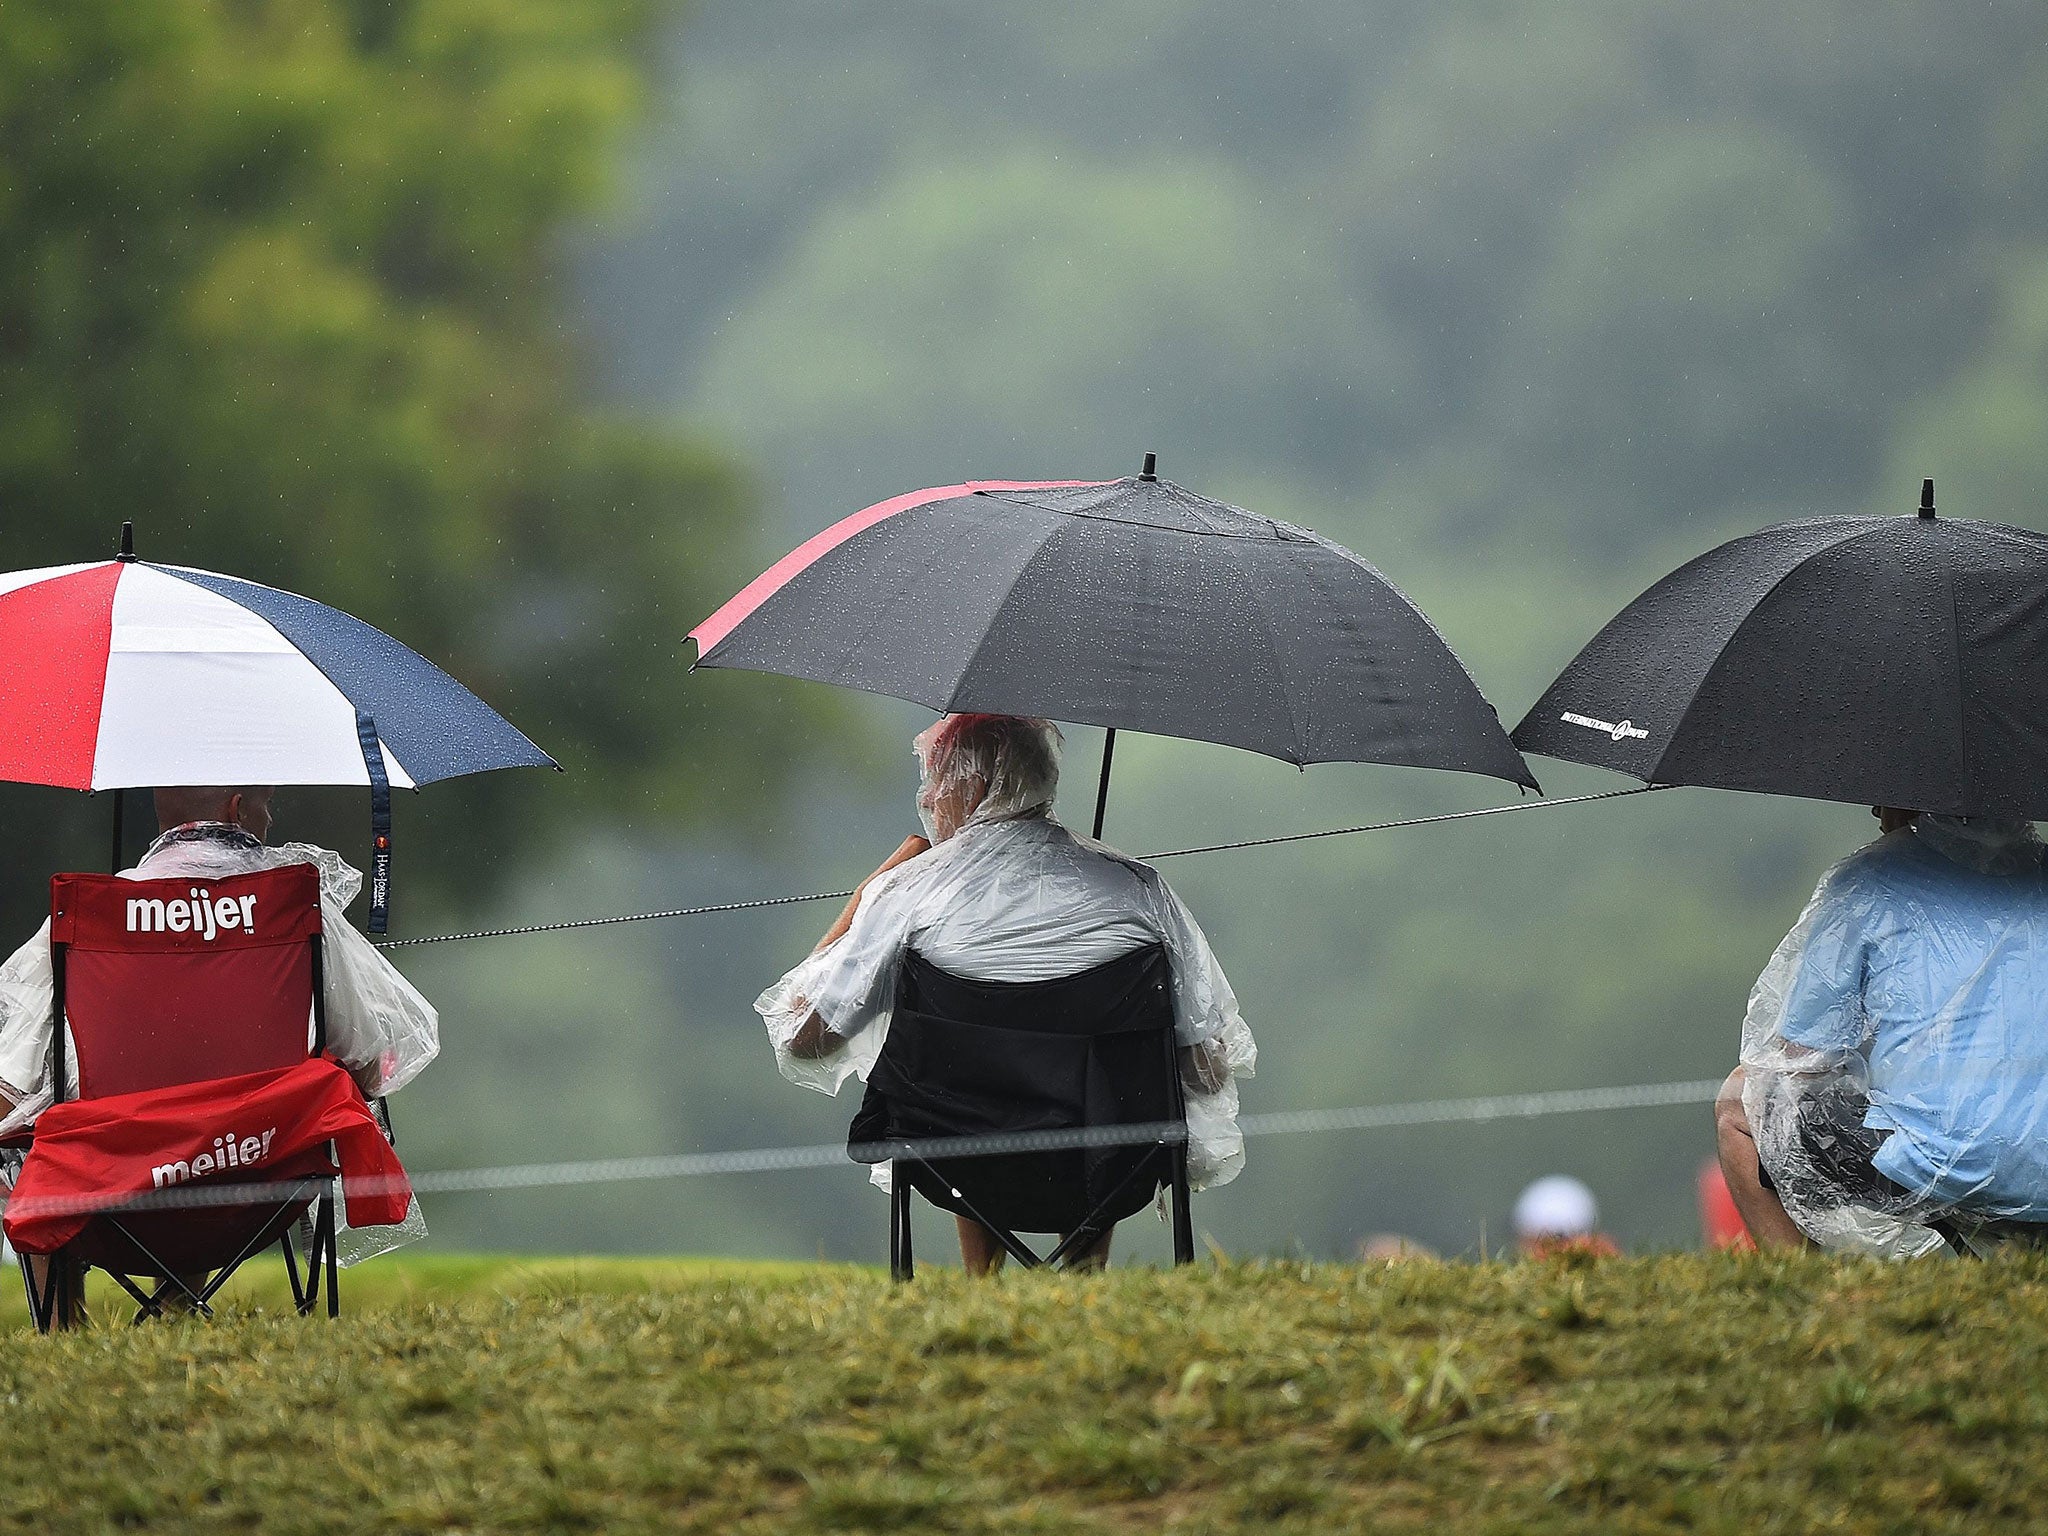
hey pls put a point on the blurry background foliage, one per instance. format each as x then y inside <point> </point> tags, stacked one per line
<point>531,330</point>
<point>280,282</point>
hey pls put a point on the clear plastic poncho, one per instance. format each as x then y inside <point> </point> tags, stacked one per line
<point>1013,895</point>
<point>378,1024</point>
<point>1895,1049</point>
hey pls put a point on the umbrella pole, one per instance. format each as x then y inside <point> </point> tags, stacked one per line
<point>1149,472</point>
<point>1102,787</point>
<point>125,555</point>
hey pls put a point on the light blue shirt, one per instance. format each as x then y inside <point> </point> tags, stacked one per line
<point>1936,974</point>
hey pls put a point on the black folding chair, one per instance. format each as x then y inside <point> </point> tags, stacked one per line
<point>1095,1050</point>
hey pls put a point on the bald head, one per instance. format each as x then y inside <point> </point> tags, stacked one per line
<point>246,806</point>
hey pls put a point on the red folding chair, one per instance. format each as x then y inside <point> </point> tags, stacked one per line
<point>168,982</point>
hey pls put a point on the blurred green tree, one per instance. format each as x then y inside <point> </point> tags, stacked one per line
<point>279,281</point>
<point>1527,302</point>
<point>1040,314</point>
<point>1983,435</point>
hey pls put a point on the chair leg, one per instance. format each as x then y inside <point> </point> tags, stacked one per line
<point>148,1304</point>
<point>333,1253</point>
<point>39,1299</point>
<point>198,1300</point>
<point>28,1284</point>
<point>901,1264</point>
<point>1013,1245</point>
<point>1080,1240</point>
<point>1183,1217</point>
<point>67,1280</point>
<point>301,1302</point>
<point>1092,1225</point>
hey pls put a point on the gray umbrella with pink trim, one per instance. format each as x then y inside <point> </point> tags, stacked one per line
<point>1132,604</point>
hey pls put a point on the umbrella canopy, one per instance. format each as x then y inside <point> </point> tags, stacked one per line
<point>124,674</point>
<point>1876,660</point>
<point>1128,603</point>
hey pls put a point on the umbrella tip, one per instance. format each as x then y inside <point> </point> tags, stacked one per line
<point>127,542</point>
<point>1151,469</point>
<point>1927,498</point>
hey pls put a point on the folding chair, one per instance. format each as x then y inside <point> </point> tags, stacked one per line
<point>971,1058</point>
<point>168,982</point>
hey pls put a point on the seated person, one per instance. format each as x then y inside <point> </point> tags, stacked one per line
<point>378,1025</point>
<point>1893,1087</point>
<point>1003,892</point>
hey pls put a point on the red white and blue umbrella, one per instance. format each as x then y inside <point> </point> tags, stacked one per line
<point>124,674</point>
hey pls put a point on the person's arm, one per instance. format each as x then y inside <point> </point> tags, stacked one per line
<point>1804,1043</point>
<point>1216,1046</point>
<point>822,1016</point>
<point>906,850</point>
<point>1806,1012</point>
<point>378,1024</point>
<point>1763,1213</point>
<point>814,1037</point>
<point>26,997</point>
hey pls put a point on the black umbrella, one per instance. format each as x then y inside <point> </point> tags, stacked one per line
<point>1129,604</point>
<point>1877,660</point>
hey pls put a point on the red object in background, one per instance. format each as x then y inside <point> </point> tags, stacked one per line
<point>97,1152</point>
<point>1720,1223</point>
<point>1596,1245</point>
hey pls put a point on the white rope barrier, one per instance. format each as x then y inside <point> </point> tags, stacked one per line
<point>691,1165</point>
<point>666,913</point>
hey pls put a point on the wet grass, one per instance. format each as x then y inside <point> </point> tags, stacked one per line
<point>413,1279</point>
<point>1678,1393</point>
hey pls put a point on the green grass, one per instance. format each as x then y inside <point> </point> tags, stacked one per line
<point>411,1280</point>
<point>1722,1393</point>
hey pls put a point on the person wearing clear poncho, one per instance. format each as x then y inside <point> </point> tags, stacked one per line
<point>1001,891</point>
<point>1893,1092</point>
<point>378,1025</point>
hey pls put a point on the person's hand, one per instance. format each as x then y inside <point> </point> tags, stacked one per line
<point>814,1038</point>
<point>1204,1067</point>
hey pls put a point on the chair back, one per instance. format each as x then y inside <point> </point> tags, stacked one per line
<point>178,981</point>
<point>967,1058</point>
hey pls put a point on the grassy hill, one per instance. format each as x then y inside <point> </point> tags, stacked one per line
<point>1679,1392</point>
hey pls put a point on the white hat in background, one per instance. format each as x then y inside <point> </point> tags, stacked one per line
<point>1556,1206</point>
